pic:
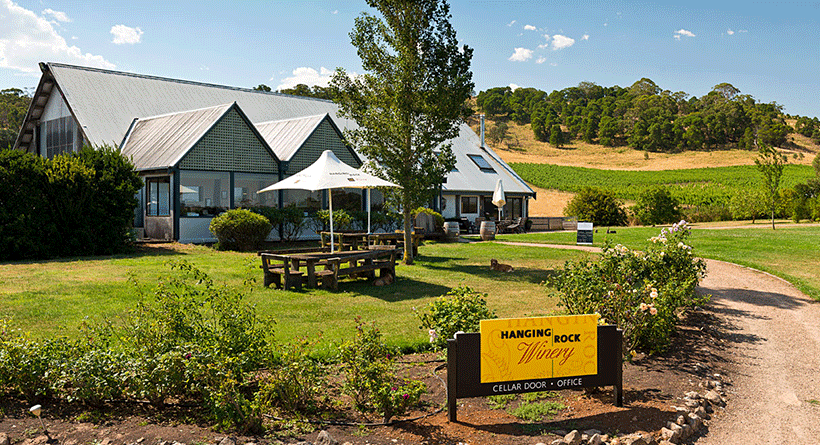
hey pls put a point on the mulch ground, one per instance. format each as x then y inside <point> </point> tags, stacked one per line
<point>653,385</point>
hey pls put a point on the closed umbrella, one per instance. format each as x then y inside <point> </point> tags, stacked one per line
<point>498,197</point>
<point>328,172</point>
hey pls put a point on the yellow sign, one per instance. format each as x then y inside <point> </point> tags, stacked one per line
<point>538,348</point>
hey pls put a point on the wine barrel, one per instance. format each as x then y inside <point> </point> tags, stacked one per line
<point>452,230</point>
<point>487,230</point>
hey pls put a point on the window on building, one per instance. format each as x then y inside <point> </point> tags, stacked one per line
<point>59,136</point>
<point>203,193</point>
<point>469,204</point>
<point>481,163</point>
<point>515,207</point>
<point>245,186</point>
<point>158,193</point>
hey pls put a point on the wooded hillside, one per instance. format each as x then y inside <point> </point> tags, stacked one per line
<point>645,117</point>
<point>13,106</point>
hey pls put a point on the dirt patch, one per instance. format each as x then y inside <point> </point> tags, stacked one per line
<point>652,385</point>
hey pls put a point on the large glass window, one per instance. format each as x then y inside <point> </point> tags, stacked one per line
<point>245,186</point>
<point>469,204</point>
<point>59,136</point>
<point>158,193</point>
<point>482,163</point>
<point>204,193</point>
<point>304,199</point>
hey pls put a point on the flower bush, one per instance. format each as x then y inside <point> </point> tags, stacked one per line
<point>461,309</point>
<point>643,292</point>
<point>370,376</point>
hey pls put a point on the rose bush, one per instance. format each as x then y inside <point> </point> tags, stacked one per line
<point>643,292</point>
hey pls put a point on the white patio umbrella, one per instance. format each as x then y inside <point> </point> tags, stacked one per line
<point>499,199</point>
<point>328,172</point>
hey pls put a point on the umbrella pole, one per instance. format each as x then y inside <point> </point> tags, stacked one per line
<point>368,210</point>
<point>330,202</point>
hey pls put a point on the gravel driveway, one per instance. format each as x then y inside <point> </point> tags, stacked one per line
<point>774,358</point>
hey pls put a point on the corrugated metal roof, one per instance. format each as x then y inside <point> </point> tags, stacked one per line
<point>106,102</point>
<point>285,137</point>
<point>162,141</point>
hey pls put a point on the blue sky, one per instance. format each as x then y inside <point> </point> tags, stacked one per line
<point>767,49</point>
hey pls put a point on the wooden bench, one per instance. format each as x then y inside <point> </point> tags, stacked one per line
<point>275,266</point>
<point>366,267</point>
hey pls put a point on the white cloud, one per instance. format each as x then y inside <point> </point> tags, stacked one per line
<point>27,38</point>
<point>56,15</point>
<point>514,86</point>
<point>541,60</point>
<point>730,32</point>
<point>521,55</point>
<point>529,27</point>
<point>511,23</point>
<point>585,37</point>
<point>553,64</point>
<point>546,44</point>
<point>307,76</point>
<point>561,42</point>
<point>124,34</point>
<point>683,32</point>
<point>335,12</point>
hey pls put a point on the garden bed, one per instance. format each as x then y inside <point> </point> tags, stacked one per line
<point>652,385</point>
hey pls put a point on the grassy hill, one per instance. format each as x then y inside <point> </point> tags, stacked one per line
<point>521,149</point>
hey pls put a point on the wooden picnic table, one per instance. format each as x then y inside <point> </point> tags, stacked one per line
<point>345,240</point>
<point>395,239</point>
<point>337,264</point>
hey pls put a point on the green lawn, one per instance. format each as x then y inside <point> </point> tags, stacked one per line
<point>790,252</point>
<point>53,297</point>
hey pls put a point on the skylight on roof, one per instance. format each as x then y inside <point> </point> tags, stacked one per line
<point>481,163</point>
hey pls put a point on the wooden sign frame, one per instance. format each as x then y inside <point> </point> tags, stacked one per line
<point>464,371</point>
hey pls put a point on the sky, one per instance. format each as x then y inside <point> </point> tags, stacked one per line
<point>769,50</point>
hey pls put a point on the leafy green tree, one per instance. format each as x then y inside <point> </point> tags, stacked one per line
<point>411,99</point>
<point>599,206</point>
<point>657,206</point>
<point>816,164</point>
<point>747,204</point>
<point>770,162</point>
<point>262,87</point>
<point>557,136</point>
<point>13,107</point>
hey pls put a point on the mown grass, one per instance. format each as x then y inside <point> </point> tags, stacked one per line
<point>53,297</point>
<point>791,252</point>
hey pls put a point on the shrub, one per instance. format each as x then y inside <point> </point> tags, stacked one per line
<point>656,206</point>
<point>461,309</point>
<point>642,292</point>
<point>369,367</point>
<point>75,204</point>
<point>296,381</point>
<point>437,218</point>
<point>291,218</point>
<point>240,229</point>
<point>598,206</point>
<point>342,220</point>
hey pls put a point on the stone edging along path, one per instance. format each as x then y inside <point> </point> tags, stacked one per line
<point>773,356</point>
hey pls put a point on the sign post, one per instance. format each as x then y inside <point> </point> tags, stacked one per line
<point>512,356</point>
<point>584,233</point>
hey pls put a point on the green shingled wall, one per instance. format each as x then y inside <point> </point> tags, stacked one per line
<point>230,146</point>
<point>324,138</point>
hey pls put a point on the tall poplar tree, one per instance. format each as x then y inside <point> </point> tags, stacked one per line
<point>411,99</point>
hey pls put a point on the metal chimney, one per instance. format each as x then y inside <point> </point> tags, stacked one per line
<point>482,131</point>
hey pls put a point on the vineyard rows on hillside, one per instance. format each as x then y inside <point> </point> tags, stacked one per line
<point>692,187</point>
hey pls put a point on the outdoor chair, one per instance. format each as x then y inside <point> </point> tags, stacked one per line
<point>517,226</point>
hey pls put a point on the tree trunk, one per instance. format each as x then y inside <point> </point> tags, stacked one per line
<point>772,218</point>
<point>408,237</point>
